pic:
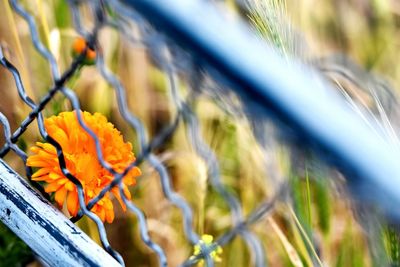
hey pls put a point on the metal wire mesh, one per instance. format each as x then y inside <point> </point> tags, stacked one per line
<point>169,59</point>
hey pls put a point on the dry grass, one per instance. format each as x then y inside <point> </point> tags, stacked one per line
<point>316,225</point>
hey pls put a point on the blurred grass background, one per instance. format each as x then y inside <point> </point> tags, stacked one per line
<point>316,225</point>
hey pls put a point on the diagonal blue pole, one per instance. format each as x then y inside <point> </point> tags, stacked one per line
<point>291,93</point>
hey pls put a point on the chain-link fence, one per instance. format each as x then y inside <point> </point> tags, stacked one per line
<point>207,69</point>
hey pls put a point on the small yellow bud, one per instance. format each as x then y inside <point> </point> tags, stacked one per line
<point>207,241</point>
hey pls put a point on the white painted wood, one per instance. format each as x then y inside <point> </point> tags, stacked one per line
<point>43,228</point>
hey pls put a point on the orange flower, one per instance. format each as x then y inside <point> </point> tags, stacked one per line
<point>78,46</point>
<point>81,160</point>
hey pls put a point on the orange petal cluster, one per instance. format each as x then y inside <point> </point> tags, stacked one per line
<point>79,45</point>
<point>81,160</point>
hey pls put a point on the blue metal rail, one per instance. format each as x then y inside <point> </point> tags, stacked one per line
<point>292,93</point>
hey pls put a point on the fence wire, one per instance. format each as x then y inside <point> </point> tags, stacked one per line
<point>172,61</point>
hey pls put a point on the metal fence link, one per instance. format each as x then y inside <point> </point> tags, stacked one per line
<point>169,59</point>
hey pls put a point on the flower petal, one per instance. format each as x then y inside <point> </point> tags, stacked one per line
<point>72,203</point>
<point>60,195</point>
<point>52,187</point>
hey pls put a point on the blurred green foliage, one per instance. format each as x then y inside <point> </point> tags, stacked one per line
<point>13,251</point>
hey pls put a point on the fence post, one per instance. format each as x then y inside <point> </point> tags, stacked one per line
<point>45,229</point>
